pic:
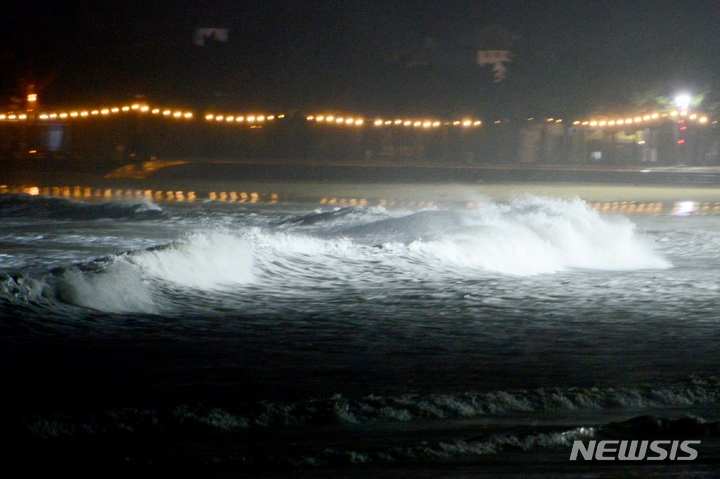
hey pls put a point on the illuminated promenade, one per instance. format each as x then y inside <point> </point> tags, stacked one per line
<point>139,150</point>
<point>327,118</point>
<point>138,132</point>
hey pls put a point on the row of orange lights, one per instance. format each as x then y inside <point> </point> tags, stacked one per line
<point>641,119</point>
<point>340,120</point>
<point>103,112</point>
<point>166,112</point>
<point>107,194</point>
<point>231,118</point>
<point>426,123</point>
<point>330,119</point>
<point>628,207</point>
<point>241,118</point>
<point>336,120</point>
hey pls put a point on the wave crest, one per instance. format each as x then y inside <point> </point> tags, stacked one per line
<point>202,261</point>
<point>540,235</point>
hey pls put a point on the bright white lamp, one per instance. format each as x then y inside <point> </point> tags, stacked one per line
<point>682,101</point>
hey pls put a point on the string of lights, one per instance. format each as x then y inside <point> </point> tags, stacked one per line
<point>323,118</point>
<point>635,120</point>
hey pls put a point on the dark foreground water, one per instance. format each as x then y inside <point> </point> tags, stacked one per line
<point>214,339</point>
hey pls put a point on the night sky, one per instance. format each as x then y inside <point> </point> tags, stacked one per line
<point>373,57</point>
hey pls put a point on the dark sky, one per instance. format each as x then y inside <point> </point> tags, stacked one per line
<point>371,57</point>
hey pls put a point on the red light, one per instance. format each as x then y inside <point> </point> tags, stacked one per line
<point>681,121</point>
<point>680,142</point>
<point>683,127</point>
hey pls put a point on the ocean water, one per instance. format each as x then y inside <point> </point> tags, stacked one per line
<point>310,340</point>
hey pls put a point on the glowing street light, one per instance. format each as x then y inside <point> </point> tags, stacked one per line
<point>682,102</point>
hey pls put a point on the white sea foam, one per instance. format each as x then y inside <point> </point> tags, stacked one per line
<point>202,261</point>
<point>540,235</point>
<point>525,237</point>
<point>303,246</point>
<point>296,260</point>
<point>119,288</point>
<point>125,283</point>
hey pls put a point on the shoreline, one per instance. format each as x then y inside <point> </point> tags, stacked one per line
<point>360,194</point>
<point>368,185</point>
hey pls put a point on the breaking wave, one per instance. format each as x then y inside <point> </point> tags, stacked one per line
<point>528,236</point>
<point>531,235</point>
<point>129,282</point>
<point>201,261</point>
<point>118,287</point>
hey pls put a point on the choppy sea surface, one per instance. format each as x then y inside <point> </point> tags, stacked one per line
<point>224,339</point>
